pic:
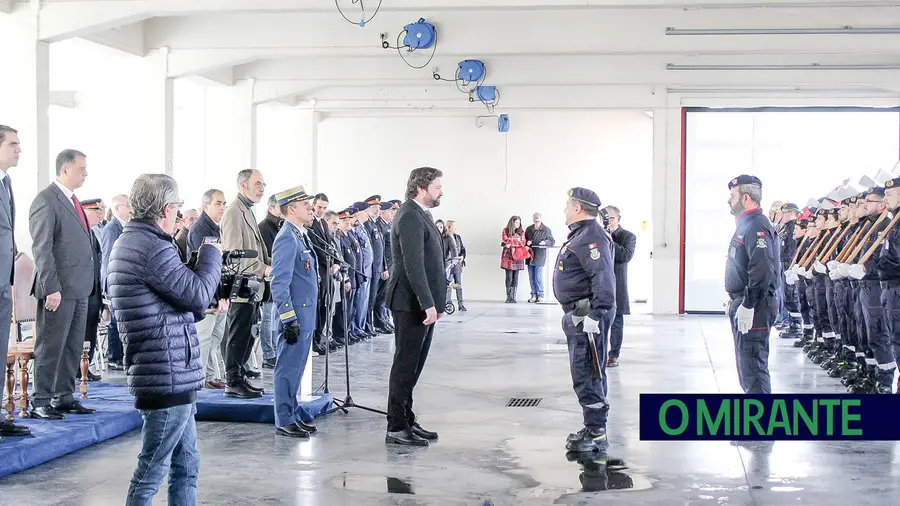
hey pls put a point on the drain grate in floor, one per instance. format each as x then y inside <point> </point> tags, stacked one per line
<point>523,402</point>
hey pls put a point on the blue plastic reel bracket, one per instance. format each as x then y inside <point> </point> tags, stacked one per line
<point>470,71</point>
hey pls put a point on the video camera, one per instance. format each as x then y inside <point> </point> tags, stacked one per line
<point>604,217</point>
<point>233,283</point>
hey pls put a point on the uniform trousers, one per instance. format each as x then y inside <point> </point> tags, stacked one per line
<point>823,319</point>
<point>290,362</point>
<point>862,340</point>
<point>412,341</point>
<point>806,310</point>
<point>382,317</point>
<point>830,305</point>
<point>342,332</point>
<point>890,300</point>
<point>873,298</point>
<point>590,388</point>
<point>812,303</point>
<point>57,350</point>
<point>751,349</point>
<point>361,307</point>
<point>841,307</point>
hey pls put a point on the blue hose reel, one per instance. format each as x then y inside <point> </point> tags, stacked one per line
<point>419,35</point>
<point>470,71</point>
<point>502,122</point>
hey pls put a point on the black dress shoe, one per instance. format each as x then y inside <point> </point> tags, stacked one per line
<point>76,408</point>
<point>292,431</point>
<point>422,433</point>
<point>45,413</point>
<point>250,386</point>
<point>240,391</point>
<point>252,374</point>
<point>308,427</point>
<point>269,363</point>
<point>405,437</point>
<point>94,377</point>
<point>11,429</point>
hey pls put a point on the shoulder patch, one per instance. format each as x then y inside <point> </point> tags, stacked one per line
<point>595,254</point>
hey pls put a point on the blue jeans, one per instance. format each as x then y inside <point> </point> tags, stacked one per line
<point>536,276</point>
<point>266,332</point>
<point>169,441</point>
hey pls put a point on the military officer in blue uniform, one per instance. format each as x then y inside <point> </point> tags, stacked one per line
<point>584,283</point>
<point>295,290</point>
<point>379,268</point>
<point>351,253</point>
<point>365,266</point>
<point>752,275</point>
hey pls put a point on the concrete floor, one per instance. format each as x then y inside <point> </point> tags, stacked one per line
<point>510,456</point>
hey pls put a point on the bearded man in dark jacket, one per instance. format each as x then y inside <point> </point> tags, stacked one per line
<point>157,300</point>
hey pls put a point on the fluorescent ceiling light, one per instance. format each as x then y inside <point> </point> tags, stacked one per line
<point>844,30</point>
<point>811,66</point>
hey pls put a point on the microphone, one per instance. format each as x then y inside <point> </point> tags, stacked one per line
<point>240,253</point>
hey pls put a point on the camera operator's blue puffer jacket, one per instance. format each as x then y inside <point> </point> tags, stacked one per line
<point>157,299</point>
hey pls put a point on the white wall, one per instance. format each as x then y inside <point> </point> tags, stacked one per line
<point>489,176</point>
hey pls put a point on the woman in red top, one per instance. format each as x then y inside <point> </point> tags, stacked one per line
<point>512,259</point>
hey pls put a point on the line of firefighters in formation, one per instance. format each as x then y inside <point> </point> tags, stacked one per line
<point>841,261</point>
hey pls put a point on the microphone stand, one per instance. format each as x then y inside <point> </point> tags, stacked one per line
<point>348,401</point>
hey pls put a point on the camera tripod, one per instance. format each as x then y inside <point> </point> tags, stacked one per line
<point>347,402</point>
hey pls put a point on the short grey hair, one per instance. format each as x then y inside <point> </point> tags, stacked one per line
<point>329,214</point>
<point>208,196</point>
<point>67,156</point>
<point>272,200</point>
<point>151,194</point>
<point>754,191</point>
<point>536,215</point>
<point>244,175</point>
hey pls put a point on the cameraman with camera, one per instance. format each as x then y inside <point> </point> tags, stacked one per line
<point>157,300</point>
<point>623,246</point>
<point>241,232</point>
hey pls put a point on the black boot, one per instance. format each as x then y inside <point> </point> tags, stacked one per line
<point>509,295</point>
<point>588,441</point>
<point>512,294</point>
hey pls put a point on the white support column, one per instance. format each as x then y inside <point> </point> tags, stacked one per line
<point>230,135</point>
<point>24,106</point>
<point>666,209</point>
<point>315,118</point>
<point>159,100</point>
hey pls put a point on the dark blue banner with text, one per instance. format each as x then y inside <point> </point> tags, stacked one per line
<point>784,417</point>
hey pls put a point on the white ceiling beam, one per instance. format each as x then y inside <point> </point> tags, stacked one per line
<point>6,6</point>
<point>462,34</point>
<point>64,20</point>
<point>186,62</point>
<point>585,97</point>
<point>127,38</point>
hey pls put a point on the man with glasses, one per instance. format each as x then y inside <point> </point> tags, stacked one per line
<point>241,232</point>
<point>624,243</point>
<point>121,210</point>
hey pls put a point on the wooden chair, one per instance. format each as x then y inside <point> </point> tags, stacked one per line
<point>21,350</point>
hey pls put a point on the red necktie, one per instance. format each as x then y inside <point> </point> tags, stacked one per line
<point>80,212</point>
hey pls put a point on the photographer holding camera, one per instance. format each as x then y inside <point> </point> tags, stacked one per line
<point>623,246</point>
<point>157,300</point>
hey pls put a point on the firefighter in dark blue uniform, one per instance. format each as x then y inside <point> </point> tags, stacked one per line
<point>888,267</point>
<point>789,244</point>
<point>585,285</point>
<point>751,279</point>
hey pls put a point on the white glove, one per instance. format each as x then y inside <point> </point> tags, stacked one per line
<point>590,326</point>
<point>832,265</point>
<point>801,270</point>
<point>819,267</point>
<point>834,275</point>
<point>807,274</point>
<point>844,269</point>
<point>789,273</point>
<point>857,271</point>
<point>744,319</point>
<point>790,279</point>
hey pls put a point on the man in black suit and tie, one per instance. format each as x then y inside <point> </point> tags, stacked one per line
<point>9,157</point>
<point>63,281</point>
<point>416,293</point>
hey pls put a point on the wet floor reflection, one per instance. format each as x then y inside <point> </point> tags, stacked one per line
<point>599,472</point>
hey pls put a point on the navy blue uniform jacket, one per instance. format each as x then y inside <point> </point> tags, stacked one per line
<point>584,269</point>
<point>753,267</point>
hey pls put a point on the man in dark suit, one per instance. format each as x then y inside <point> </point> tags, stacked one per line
<point>9,157</point>
<point>416,293</point>
<point>121,214</point>
<point>320,237</point>
<point>63,281</point>
<point>623,250</point>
